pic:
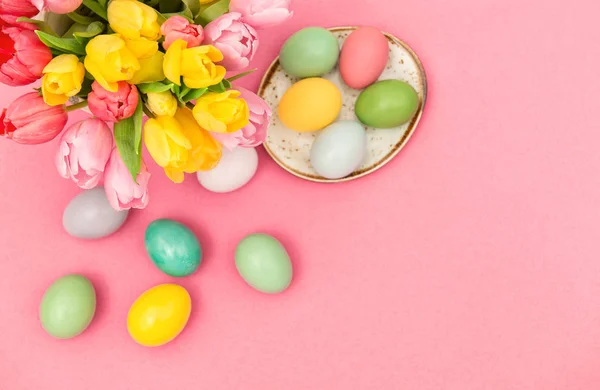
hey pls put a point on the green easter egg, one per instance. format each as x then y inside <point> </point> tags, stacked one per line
<point>264,263</point>
<point>68,306</point>
<point>311,52</point>
<point>173,248</point>
<point>387,104</point>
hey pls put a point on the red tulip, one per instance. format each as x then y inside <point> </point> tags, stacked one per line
<point>28,120</point>
<point>18,8</point>
<point>22,56</point>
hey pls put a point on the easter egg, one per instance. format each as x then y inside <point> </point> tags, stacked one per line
<point>310,105</point>
<point>387,104</point>
<point>235,170</point>
<point>264,263</point>
<point>89,215</point>
<point>364,56</point>
<point>68,306</point>
<point>339,149</point>
<point>310,52</point>
<point>172,247</point>
<point>159,315</point>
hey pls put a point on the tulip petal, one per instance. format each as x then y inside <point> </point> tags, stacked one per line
<point>156,142</point>
<point>172,62</point>
<point>151,70</point>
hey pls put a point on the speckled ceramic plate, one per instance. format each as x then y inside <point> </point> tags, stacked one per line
<point>291,149</point>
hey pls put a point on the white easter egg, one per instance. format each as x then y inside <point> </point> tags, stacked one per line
<point>339,149</point>
<point>234,171</point>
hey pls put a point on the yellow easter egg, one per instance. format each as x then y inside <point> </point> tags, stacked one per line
<point>310,105</point>
<point>159,315</point>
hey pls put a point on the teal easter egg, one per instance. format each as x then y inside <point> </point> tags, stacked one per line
<point>173,248</point>
<point>264,263</point>
<point>68,306</point>
<point>310,52</point>
<point>387,104</point>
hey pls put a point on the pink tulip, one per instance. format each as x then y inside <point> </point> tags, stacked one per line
<point>262,13</point>
<point>28,120</point>
<point>12,20</point>
<point>57,6</point>
<point>122,192</point>
<point>18,8</point>
<point>84,151</point>
<point>255,133</point>
<point>236,40</point>
<point>178,27</point>
<point>22,56</point>
<point>113,106</point>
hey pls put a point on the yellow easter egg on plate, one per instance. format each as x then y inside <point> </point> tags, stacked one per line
<point>310,105</point>
<point>159,315</point>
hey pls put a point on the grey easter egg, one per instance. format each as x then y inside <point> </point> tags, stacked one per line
<point>90,216</point>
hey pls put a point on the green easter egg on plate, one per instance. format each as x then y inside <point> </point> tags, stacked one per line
<point>173,248</point>
<point>387,104</point>
<point>264,263</point>
<point>68,306</point>
<point>311,52</point>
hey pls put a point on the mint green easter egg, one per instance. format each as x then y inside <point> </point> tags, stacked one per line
<point>310,52</point>
<point>68,306</point>
<point>387,104</point>
<point>173,248</point>
<point>264,263</point>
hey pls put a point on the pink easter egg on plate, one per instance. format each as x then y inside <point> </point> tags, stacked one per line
<point>364,56</point>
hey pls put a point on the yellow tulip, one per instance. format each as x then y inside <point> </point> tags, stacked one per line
<point>196,65</point>
<point>206,151</point>
<point>222,112</point>
<point>141,48</point>
<point>151,70</point>
<point>63,77</point>
<point>179,145</point>
<point>133,19</point>
<point>109,61</point>
<point>162,103</point>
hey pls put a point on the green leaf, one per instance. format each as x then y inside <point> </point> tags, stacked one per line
<point>194,94</point>
<point>212,12</point>
<point>226,84</point>
<point>91,31</point>
<point>103,3</point>
<point>39,23</point>
<point>77,18</point>
<point>154,87</point>
<point>138,117</point>
<point>239,76</point>
<point>97,8</point>
<point>75,27</point>
<point>86,88</point>
<point>128,137</point>
<point>193,6</point>
<point>183,91</point>
<point>218,88</point>
<point>66,45</point>
<point>175,89</point>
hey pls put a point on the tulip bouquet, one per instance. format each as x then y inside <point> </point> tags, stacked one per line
<point>168,60</point>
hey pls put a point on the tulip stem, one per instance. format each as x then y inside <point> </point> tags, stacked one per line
<point>148,113</point>
<point>77,106</point>
<point>96,8</point>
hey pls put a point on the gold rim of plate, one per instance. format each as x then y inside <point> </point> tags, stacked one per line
<point>266,80</point>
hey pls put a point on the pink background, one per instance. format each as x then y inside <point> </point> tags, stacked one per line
<point>469,262</point>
